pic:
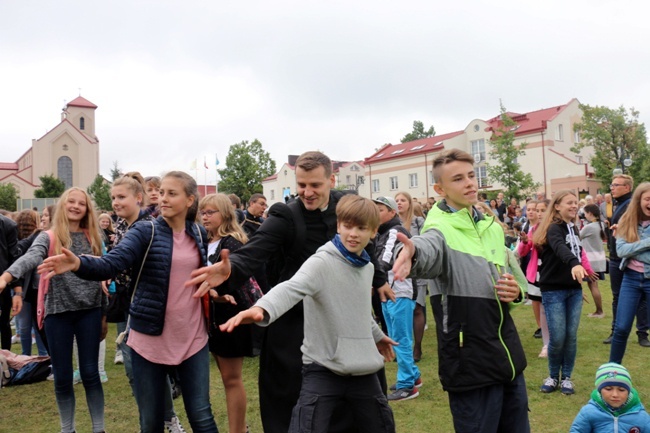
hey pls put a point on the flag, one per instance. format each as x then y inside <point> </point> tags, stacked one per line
<point>205,163</point>
<point>217,158</point>
<point>193,165</point>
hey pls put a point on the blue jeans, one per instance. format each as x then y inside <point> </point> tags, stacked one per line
<point>26,325</point>
<point>61,329</point>
<point>128,368</point>
<point>399,320</point>
<point>616,280</point>
<point>633,289</point>
<point>151,385</point>
<point>563,309</point>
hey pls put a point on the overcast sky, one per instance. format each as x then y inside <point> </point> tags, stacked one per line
<point>175,81</point>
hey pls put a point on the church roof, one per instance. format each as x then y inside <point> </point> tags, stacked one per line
<point>80,101</point>
<point>8,166</point>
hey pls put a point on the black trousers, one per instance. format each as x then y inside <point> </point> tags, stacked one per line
<point>501,408</point>
<point>5,318</point>
<point>280,376</point>
<point>323,392</point>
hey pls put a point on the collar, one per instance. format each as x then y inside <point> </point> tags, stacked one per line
<point>355,260</point>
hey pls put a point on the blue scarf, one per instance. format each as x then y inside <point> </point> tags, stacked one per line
<point>355,260</point>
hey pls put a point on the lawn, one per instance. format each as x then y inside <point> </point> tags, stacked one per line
<point>31,408</point>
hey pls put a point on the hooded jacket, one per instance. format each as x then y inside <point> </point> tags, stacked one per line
<point>478,343</point>
<point>597,417</point>
<point>150,300</point>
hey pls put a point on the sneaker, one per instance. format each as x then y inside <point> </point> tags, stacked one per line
<point>403,394</point>
<point>596,315</point>
<point>418,384</point>
<point>174,425</point>
<point>543,353</point>
<point>15,339</point>
<point>103,376</point>
<point>76,377</point>
<point>608,340</point>
<point>567,386</point>
<point>538,333</point>
<point>550,385</point>
<point>119,358</point>
<point>50,376</point>
<point>643,342</point>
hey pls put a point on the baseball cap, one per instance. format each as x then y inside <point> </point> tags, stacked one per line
<point>386,201</point>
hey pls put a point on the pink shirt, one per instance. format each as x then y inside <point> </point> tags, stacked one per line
<point>184,333</point>
<point>635,264</point>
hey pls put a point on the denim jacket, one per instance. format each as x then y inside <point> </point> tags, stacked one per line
<point>639,250</point>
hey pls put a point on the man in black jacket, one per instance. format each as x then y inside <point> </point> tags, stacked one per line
<point>253,214</point>
<point>622,187</point>
<point>281,359</point>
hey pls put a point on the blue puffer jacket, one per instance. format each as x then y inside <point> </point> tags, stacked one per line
<point>150,300</point>
<point>594,418</point>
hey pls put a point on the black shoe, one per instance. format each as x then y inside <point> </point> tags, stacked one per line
<point>538,333</point>
<point>608,340</point>
<point>643,341</point>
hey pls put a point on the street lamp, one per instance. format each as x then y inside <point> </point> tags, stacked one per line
<point>624,162</point>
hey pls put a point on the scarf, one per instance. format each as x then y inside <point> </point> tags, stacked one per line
<point>355,260</point>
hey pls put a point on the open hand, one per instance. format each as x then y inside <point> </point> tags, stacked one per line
<point>210,276</point>
<point>402,265</point>
<point>253,314</point>
<point>59,264</point>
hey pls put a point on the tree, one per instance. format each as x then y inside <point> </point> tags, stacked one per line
<point>100,191</point>
<point>116,171</point>
<point>246,166</point>
<point>8,197</point>
<point>51,187</point>
<point>505,169</point>
<point>418,132</point>
<point>618,140</point>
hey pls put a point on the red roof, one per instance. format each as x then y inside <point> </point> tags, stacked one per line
<point>402,150</point>
<point>80,101</point>
<point>528,123</point>
<point>8,166</point>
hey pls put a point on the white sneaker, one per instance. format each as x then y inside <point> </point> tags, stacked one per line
<point>103,377</point>
<point>119,358</point>
<point>15,339</point>
<point>174,426</point>
<point>76,377</point>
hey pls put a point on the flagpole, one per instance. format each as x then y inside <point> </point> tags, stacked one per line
<point>216,172</point>
<point>205,177</point>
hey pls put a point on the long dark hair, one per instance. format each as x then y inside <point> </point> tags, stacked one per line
<point>595,211</point>
<point>191,190</point>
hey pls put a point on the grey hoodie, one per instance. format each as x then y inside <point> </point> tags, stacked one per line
<point>340,333</point>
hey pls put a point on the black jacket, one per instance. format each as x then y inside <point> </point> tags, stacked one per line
<point>620,206</point>
<point>558,259</point>
<point>9,250</point>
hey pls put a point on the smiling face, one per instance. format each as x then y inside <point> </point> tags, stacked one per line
<point>457,184</point>
<point>314,187</point>
<point>355,237</point>
<point>174,202</point>
<point>615,396</point>
<point>645,205</point>
<point>45,219</point>
<point>126,204</point>
<point>76,206</point>
<point>567,208</point>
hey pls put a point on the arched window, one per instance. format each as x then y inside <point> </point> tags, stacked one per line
<point>64,170</point>
<point>82,123</point>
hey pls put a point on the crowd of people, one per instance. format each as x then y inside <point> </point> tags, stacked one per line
<point>184,276</point>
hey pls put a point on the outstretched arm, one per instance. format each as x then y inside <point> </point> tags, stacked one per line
<point>253,314</point>
<point>210,276</point>
<point>402,265</point>
<point>59,264</point>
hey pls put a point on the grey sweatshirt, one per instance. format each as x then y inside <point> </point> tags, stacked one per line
<point>340,333</point>
<point>67,292</point>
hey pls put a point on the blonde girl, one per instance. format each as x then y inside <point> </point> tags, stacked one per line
<point>229,349</point>
<point>632,234</point>
<point>73,307</point>
<point>561,273</point>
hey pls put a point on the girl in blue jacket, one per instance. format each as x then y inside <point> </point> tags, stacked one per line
<point>167,327</point>
<point>614,406</point>
<point>633,247</point>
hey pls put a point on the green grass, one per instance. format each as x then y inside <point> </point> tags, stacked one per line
<point>31,408</point>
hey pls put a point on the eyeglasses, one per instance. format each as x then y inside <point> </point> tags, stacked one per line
<point>613,185</point>
<point>208,212</point>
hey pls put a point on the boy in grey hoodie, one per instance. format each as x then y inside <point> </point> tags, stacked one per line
<point>343,347</point>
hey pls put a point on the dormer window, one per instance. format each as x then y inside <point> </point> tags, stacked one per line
<point>82,123</point>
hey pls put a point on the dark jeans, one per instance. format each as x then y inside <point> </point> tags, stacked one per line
<point>323,392</point>
<point>151,385</point>
<point>616,279</point>
<point>634,288</point>
<point>5,318</point>
<point>499,408</point>
<point>61,329</point>
<point>562,308</point>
